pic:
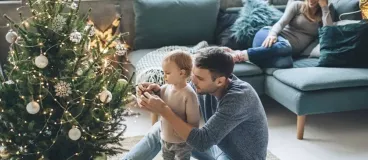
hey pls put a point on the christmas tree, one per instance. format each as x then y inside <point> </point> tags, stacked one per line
<point>60,96</point>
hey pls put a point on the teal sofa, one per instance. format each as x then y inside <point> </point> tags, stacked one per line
<point>304,89</point>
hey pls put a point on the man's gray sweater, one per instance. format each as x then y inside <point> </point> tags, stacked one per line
<point>236,123</point>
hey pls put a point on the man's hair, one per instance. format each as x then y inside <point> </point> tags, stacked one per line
<point>182,59</point>
<point>216,60</point>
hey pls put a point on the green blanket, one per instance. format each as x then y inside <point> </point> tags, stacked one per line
<point>344,46</point>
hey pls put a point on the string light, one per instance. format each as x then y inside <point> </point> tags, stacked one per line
<point>73,78</point>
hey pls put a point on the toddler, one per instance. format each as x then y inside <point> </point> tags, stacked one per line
<point>182,100</point>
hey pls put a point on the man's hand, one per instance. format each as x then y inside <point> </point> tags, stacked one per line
<point>146,87</point>
<point>269,41</point>
<point>153,103</point>
<point>323,3</point>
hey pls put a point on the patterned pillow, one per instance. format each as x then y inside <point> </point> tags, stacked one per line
<point>364,7</point>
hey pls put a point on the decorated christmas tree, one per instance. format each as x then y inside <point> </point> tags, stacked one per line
<point>60,96</point>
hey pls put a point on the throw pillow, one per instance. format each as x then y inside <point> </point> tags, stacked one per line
<point>312,49</point>
<point>345,10</point>
<point>174,22</point>
<point>344,45</point>
<point>223,32</point>
<point>363,4</point>
<point>253,16</point>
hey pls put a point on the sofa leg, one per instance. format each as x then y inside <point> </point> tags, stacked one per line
<point>300,127</point>
<point>154,118</point>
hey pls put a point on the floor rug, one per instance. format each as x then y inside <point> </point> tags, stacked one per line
<point>129,142</point>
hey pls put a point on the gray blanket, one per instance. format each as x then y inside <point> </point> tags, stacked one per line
<point>149,68</point>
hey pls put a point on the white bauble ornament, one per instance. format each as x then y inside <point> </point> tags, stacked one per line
<point>105,96</point>
<point>75,37</point>
<point>79,72</point>
<point>91,29</point>
<point>74,6</point>
<point>41,61</point>
<point>74,134</point>
<point>11,36</point>
<point>33,107</point>
<point>131,101</point>
<point>121,49</point>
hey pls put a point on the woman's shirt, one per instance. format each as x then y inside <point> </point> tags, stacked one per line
<point>297,28</point>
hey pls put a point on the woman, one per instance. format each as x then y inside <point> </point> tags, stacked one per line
<point>297,28</point>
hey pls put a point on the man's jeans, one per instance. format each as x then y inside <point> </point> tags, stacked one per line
<point>150,146</point>
<point>278,55</point>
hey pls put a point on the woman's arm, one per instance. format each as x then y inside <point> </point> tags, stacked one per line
<point>290,12</point>
<point>326,15</point>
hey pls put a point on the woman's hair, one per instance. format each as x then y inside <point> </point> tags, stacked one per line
<point>182,59</point>
<point>317,17</point>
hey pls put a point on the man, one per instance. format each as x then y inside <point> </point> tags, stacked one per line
<point>235,122</point>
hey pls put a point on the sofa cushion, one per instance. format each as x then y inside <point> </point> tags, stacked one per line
<point>246,69</point>
<point>136,55</point>
<point>319,78</point>
<point>344,46</point>
<point>226,19</point>
<point>161,23</point>
<point>298,63</point>
<point>342,8</point>
<point>316,102</point>
<point>254,15</point>
<point>305,62</point>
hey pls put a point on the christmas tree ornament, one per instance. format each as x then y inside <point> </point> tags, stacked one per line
<point>19,40</point>
<point>9,82</point>
<point>123,82</point>
<point>79,72</point>
<point>131,101</point>
<point>120,84</point>
<point>91,29</point>
<point>63,89</point>
<point>73,6</point>
<point>75,37</point>
<point>55,77</point>
<point>74,134</point>
<point>33,107</point>
<point>58,23</point>
<point>3,153</point>
<point>101,157</point>
<point>11,36</point>
<point>121,50</point>
<point>105,96</point>
<point>41,61</point>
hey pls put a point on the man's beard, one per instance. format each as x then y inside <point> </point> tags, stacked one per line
<point>206,92</point>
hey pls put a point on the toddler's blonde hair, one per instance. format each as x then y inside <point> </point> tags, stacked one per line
<point>182,59</point>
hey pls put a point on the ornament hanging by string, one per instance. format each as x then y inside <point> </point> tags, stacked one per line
<point>79,72</point>
<point>121,49</point>
<point>105,96</point>
<point>33,107</point>
<point>75,37</point>
<point>73,6</point>
<point>11,36</point>
<point>131,101</point>
<point>41,61</point>
<point>91,29</point>
<point>58,23</point>
<point>9,82</point>
<point>63,89</point>
<point>74,134</point>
